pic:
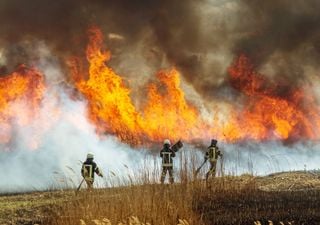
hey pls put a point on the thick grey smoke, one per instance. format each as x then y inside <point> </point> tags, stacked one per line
<point>283,38</point>
<point>279,26</point>
<point>201,38</point>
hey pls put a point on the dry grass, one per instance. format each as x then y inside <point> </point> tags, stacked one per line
<point>224,200</point>
<point>228,200</point>
<point>139,195</point>
<point>130,221</point>
<point>151,203</point>
<point>288,198</point>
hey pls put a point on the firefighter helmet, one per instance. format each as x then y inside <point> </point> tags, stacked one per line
<point>90,155</point>
<point>166,142</point>
<point>214,142</point>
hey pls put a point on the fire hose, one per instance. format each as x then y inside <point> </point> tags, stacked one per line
<point>80,185</point>
<point>204,162</point>
<point>199,168</point>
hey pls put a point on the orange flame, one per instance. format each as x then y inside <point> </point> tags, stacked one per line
<point>267,114</point>
<point>111,108</point>
<point>166,113</point>
<point>20,96</point>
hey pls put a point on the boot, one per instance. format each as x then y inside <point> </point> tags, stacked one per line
<point>162,179</point>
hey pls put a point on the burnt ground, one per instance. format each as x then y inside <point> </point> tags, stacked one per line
<point>281,198</point>
<point>284,198</point>
<point>256,206</point>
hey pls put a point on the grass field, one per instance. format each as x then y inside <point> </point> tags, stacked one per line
<point>283,198</point>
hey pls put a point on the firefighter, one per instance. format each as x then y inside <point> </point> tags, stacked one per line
<point>212,155</point>
<point>89,167</point>
<point>167,163</point>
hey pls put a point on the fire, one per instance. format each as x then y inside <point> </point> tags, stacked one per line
<point>110,106</point>
<point>169,114</point>
<point>20,97</point>
<point>111,109</point>
<point>265,115</point>
<point>267,111</point>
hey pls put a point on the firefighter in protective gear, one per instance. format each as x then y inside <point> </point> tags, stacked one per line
<point>212,155</point>
<point>89,167</point>
<point>167,163</point>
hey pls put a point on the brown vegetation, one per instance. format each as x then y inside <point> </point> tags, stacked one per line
<point>284,198</point>
<point>228,200</point>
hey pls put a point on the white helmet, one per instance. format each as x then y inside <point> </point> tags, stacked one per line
<point>167,141</point>
<point>90,155</point>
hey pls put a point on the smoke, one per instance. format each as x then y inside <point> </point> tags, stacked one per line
<point>63,138</point>
<point>60,148</point>
<point>47,152</point>
<point>270,157</point>
<point>201,38</point>
<point>282,36</point>
<point>279,26</point>
<point>154,34</point>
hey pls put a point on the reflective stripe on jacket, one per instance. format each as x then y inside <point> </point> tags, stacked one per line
<point>167,154</point>
<point>213,153</point>
<point>89,168</point>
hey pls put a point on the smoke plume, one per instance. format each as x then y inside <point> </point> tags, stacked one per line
<point>199,37</point>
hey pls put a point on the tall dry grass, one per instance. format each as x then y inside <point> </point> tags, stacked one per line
<point>137,194</point>
<point>224,200</point>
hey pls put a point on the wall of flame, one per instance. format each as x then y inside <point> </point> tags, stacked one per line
<point>266,112</point>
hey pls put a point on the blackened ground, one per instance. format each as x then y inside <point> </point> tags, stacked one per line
<point>248,204</point>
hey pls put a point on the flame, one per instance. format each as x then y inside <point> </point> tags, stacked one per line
<point>268,114</point>
<point>20,97</point>
<point>266,110</point>
<point>168,114</point>
<point>111,108</point>
<point>265,114</point>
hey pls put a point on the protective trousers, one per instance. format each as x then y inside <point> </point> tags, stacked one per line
<point>89,182</point>
<point>166,169</point>
<point>212,170</point>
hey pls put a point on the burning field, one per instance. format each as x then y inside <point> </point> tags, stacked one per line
<point>117,78</point>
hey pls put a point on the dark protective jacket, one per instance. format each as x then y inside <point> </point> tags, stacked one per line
<point>212,153</point>
<point>167,154</point>
<point>89,167</point>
